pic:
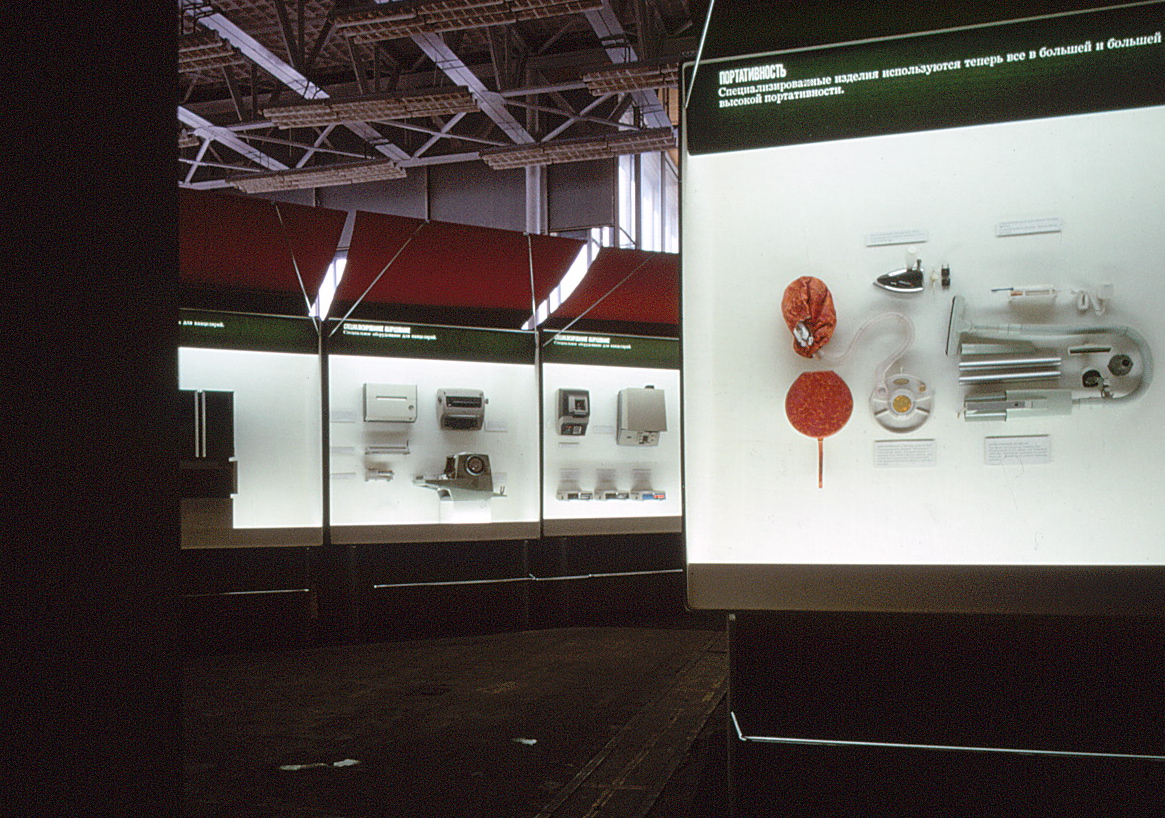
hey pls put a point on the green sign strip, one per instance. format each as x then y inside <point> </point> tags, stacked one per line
<point>397,340</point>
<point>1101,60</point>
<point>265,333</point>
<point>261,333</point>
<point>612,350</point>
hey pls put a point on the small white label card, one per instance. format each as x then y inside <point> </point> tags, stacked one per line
<point>897,454</point>
<point>1029,227</point>
<point>1025,450</point>
<point>884,237</point>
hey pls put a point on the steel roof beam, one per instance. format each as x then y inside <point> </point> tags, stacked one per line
<point>266,59</point>
<point>491,102</point>
<point>436,137</point>
<point>614,39</point>
<point>293,79</point>
<point>405,126</point>
<point>208,130</point>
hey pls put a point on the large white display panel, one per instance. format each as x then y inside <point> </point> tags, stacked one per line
<point>369,508</point>
<point>641,482</point>
<point>277,446</point>
<point>1074,202</point>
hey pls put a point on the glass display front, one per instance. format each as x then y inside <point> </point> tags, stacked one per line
<point>919,337</point>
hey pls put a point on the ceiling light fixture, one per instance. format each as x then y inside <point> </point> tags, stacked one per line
<point>373,108</point>
<point>347,173</point>
<point>206,51</point>
<point>626,77</point>
<point>447,15</point>
<point>580,150</point>
<point>370,25</point>
<point>546,9</point>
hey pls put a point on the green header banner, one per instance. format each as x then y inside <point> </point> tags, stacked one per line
<point>594,349</point>
<point>397,340</point>
<point>1085,62</point>
<point>260,333</point>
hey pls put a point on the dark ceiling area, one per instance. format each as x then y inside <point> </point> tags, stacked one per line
<point>287,94</point>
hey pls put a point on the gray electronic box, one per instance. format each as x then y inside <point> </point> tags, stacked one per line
<point>461,408</point>
<point>386,402</point>
<point>641,416</point>
<point>574,411</point>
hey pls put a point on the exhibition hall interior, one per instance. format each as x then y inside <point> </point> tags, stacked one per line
<point>551,408</point>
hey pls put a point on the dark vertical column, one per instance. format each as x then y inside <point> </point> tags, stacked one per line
<point>334,568</point>
<point>325,436</point>
<point>528,588</point>
<point>89,681</point>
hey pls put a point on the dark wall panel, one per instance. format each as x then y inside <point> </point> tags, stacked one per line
<point>471,193</point>
<point>303,197</point>
<point>395,197</point>
<point>88,679</point>
<point>582,194</point>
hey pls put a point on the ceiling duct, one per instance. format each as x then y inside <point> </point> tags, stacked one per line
<point>547,9</point>
<point>580,150</point>
<point>373,108</point>
<point>378,23</point>
<point>448,15</point>
<point>206,51</point>
<point>387,22</point>
<point>626,77</point>
<point>348,173</point>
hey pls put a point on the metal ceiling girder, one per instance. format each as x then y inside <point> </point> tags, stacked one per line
<point>492,103</point>
<point>293,44</point>
<point>609,30</point>
<point>378,141</point>
<point>293,79</point>
<point>320,140</point>
<point>436,137</point>
<point>443,132</point>
<point>582,116</point>
<point>266,59</point>
<point>197,161</point>
<point>207,129</point>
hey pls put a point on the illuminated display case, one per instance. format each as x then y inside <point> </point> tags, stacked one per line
<point>618,473</point>
<point>969,222</point>
<point>433,433</point>
<point>267,434</point>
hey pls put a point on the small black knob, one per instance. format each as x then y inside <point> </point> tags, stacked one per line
<point>1120,364</point>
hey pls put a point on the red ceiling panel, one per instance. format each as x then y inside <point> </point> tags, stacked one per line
<point>237,242</point>
<point>450,265</point>
<point>626,285</point>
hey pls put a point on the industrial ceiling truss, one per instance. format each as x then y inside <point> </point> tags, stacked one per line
<point>281,94</point>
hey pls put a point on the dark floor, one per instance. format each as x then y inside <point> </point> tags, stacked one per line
<point>566,722</point>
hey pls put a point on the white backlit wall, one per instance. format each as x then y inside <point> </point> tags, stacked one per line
<point>1086,488</point>
<point>375,510</point>
<point>277,433</point>
<point>753,494</point>
<point>595,461</point>
<point>389,475</point>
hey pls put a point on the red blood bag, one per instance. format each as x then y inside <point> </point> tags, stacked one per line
<point>808,309</point>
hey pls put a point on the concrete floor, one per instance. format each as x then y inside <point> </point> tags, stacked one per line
<point>549,724</point>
